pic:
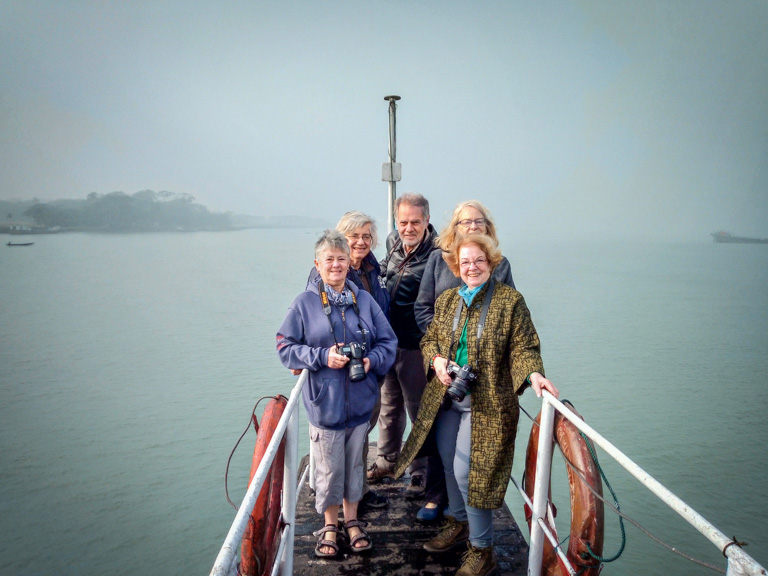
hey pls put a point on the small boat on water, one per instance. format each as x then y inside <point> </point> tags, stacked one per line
<point>19,243</point>
<point>726,238</point>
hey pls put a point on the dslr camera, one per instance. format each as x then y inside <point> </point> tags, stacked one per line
<point>354,351</point>
<point>462,379</point>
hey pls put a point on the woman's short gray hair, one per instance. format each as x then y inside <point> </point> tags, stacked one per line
<point>331,240</point>
<point>352,221</point>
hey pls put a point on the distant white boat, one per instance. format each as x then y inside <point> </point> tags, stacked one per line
<point>726,238</point>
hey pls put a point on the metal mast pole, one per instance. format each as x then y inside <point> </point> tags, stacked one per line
<point>391,171</point>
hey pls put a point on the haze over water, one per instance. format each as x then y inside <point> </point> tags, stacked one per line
<point>576,118</point>
<point>131,363</point>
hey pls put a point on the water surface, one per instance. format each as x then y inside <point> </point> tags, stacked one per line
<point>130,365</point>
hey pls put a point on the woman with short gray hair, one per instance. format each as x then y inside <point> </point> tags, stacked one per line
<point>359,229</point>
<point>353,222</point>
<point>341,336</point>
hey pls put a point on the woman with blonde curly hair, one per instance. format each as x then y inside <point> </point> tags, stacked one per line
<point>469,217</point>
<point>483,331</point>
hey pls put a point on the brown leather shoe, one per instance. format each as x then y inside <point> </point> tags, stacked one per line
<point>451,534</point>
<point>478,562</point>
<point>377,473</point>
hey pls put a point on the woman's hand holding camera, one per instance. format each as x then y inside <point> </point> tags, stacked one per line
<point>440,365</point>
<point>336,360</point>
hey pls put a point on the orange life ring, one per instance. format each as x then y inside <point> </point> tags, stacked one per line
<point>587,514</point>
<point>260,539</point>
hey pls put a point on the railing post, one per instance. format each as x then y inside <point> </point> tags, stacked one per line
<point>228,553</point>
<point>541,487</point>
<point>290,490</point>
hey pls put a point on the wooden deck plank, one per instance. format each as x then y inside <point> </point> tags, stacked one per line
<point>398,539</point>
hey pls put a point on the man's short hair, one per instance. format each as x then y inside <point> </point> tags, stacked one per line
<point>414,200</point>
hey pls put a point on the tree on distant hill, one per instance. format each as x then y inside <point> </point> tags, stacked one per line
<point>117,211</point>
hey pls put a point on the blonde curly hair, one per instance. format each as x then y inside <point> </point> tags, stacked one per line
<point>487,244</point>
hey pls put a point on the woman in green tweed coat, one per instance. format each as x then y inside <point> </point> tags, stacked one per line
<point>476,434</point>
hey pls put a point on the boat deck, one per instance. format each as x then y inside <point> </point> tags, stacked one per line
<point>397,540</point>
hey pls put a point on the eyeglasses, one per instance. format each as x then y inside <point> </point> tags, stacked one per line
<point>367,238</point>
<point>480,262</point>
<point>468,222</point>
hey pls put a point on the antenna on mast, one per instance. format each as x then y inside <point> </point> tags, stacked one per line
<point>391,171</point>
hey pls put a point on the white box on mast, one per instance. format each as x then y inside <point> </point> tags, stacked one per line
<point>391,172</point>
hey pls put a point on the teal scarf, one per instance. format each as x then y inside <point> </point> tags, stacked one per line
<point>469,293</point>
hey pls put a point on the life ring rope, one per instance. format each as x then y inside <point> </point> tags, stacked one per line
<point>252,420</point>
<point>593,453</point>
<point>617,508</point>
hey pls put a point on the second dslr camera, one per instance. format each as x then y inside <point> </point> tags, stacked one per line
<point>462,379</point>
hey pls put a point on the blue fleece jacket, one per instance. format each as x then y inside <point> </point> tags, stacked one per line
<point>304,340</point>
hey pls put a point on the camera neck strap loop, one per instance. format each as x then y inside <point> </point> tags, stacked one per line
<point>325,301</point>
<point>483,315</point>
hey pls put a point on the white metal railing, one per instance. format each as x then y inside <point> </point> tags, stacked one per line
<point>225,564</point>
<point>739,562</point>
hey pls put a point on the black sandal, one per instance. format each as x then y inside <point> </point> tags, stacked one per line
<point>330,543</point>
<point>362,535</point>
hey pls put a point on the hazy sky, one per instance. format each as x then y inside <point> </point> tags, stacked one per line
<point>572,117</point>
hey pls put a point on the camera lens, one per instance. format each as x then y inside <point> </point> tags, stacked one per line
<point>356,370</point>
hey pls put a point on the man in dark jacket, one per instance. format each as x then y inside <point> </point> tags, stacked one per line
<point>408,249</point>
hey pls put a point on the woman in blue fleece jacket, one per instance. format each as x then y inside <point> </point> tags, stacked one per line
<point>331,315</point>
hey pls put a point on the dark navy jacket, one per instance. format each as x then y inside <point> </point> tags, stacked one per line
<point>403,273</point>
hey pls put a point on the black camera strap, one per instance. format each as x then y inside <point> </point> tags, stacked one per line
<point>327,309</point>
<point>483,315</point>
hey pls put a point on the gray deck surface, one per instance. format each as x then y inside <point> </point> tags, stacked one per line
<point>398,539</point>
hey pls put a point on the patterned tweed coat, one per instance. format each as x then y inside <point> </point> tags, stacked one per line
<point>509,353</point>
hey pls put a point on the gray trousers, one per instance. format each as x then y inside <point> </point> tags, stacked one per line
<point>400,395</point>
<point>339,468</point>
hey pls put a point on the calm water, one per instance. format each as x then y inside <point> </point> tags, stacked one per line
<point>129,366</point>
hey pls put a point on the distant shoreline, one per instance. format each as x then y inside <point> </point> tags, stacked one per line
<point>32,232</point>
<point>145,211</point>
